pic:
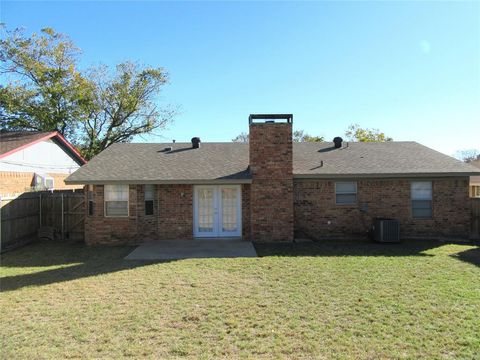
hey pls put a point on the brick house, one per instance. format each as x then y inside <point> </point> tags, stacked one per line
<point>32,161</point>
<point>475,181</point>
<point>271,189</point>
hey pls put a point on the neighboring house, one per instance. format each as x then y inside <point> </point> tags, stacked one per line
<point>475,181</point>
<point>32,161</point>
<point>271,189</point>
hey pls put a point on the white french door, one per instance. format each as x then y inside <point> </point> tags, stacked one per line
<point>217,211</point>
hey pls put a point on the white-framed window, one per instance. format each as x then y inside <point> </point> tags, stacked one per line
<point>345,193</point>
<point>149,196</point>
<point>421,194</point>
<point>116,200</point>
<point>475,191</point>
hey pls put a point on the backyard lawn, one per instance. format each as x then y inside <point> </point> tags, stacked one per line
<point>323,300</point>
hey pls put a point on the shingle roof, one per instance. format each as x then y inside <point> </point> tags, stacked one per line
<point>12,140</point>
<point>149,162</point>
<point>400,158</point>
<point>137,163</point>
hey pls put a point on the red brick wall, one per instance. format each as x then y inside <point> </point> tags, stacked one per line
<point>246,230</point>
<point>172,218</point>
<point>147,224</point>
<point>111,230</point>
<point>271,195</point>
<point>315,207</point>
<point>175,212</point>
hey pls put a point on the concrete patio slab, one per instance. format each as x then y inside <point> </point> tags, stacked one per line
<point>187,249</point>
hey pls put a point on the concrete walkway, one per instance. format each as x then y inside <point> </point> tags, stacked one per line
<point>186,249</point>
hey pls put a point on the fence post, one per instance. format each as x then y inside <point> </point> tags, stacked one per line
<point>63,219</point>
<point>40,210</point>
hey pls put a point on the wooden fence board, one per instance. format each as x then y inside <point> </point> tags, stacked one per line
<point>22,216</point>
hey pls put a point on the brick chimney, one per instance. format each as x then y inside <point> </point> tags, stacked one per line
<point>271,197</point>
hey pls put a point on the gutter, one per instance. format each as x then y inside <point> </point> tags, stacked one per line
<point>142,182</point>
<point>386,176</point>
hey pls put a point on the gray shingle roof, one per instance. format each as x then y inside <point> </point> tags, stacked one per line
<point>149,163</point>
<point>400,158</point>
<point>143,163</point>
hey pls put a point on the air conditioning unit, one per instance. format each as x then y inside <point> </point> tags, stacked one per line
<point>386,230</point>
<point>44,182</point>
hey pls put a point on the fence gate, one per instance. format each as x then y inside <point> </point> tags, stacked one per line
<point>21,217</point>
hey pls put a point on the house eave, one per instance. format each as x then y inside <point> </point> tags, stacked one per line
<point>384,175</point>
<point>166,182</point>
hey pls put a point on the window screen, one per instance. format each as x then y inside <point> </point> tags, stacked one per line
<point>149,196</point>
<point>90,200</point>
<point>116,200</point>
<point>421,194</point>
<point>345,193</point>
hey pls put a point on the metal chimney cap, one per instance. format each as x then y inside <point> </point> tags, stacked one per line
<point>337,141</point>
<point>195,142</point>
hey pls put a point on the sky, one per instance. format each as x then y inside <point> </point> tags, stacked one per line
<point>410,69</point>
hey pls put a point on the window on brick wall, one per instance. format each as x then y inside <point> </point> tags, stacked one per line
<point>149,196</point>
<point>421,194</point>
<point>90,199</point>
<point>116,200</point>
<point>345,193</point>
<point>475,191</point>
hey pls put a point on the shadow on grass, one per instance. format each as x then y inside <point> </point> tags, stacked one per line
<point>471,256</point>
<point>71,261</point>
<point>75,261</point>
<point>357,247</point>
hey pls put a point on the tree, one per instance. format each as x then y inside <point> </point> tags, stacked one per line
<point>468,155</point>
<point>123,106</point>
<point>242,137</point>
<point>297,136</point>
<point>45,91</point>
<point>355,133</point>
<point>309,138</point>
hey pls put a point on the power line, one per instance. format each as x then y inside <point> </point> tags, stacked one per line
<point>42,166</point>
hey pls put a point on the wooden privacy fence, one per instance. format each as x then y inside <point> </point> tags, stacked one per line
<point>475,218</point>
<point>21,217</point>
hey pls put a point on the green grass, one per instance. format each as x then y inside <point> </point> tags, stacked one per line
<point>325,300</point>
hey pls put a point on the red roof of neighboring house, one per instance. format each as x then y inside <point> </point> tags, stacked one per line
<point>13,141</point>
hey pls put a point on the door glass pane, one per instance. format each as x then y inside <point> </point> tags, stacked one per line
<point>229,209</point>
<point>205,210</point>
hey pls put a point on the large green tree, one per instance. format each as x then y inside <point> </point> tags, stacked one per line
<point>43,89</point>
<point>356,133</point>
<point>123,106</point>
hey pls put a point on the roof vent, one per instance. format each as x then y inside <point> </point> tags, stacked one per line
<point>195,142</point>
<point>168,148</point>
<point>337,141</point>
